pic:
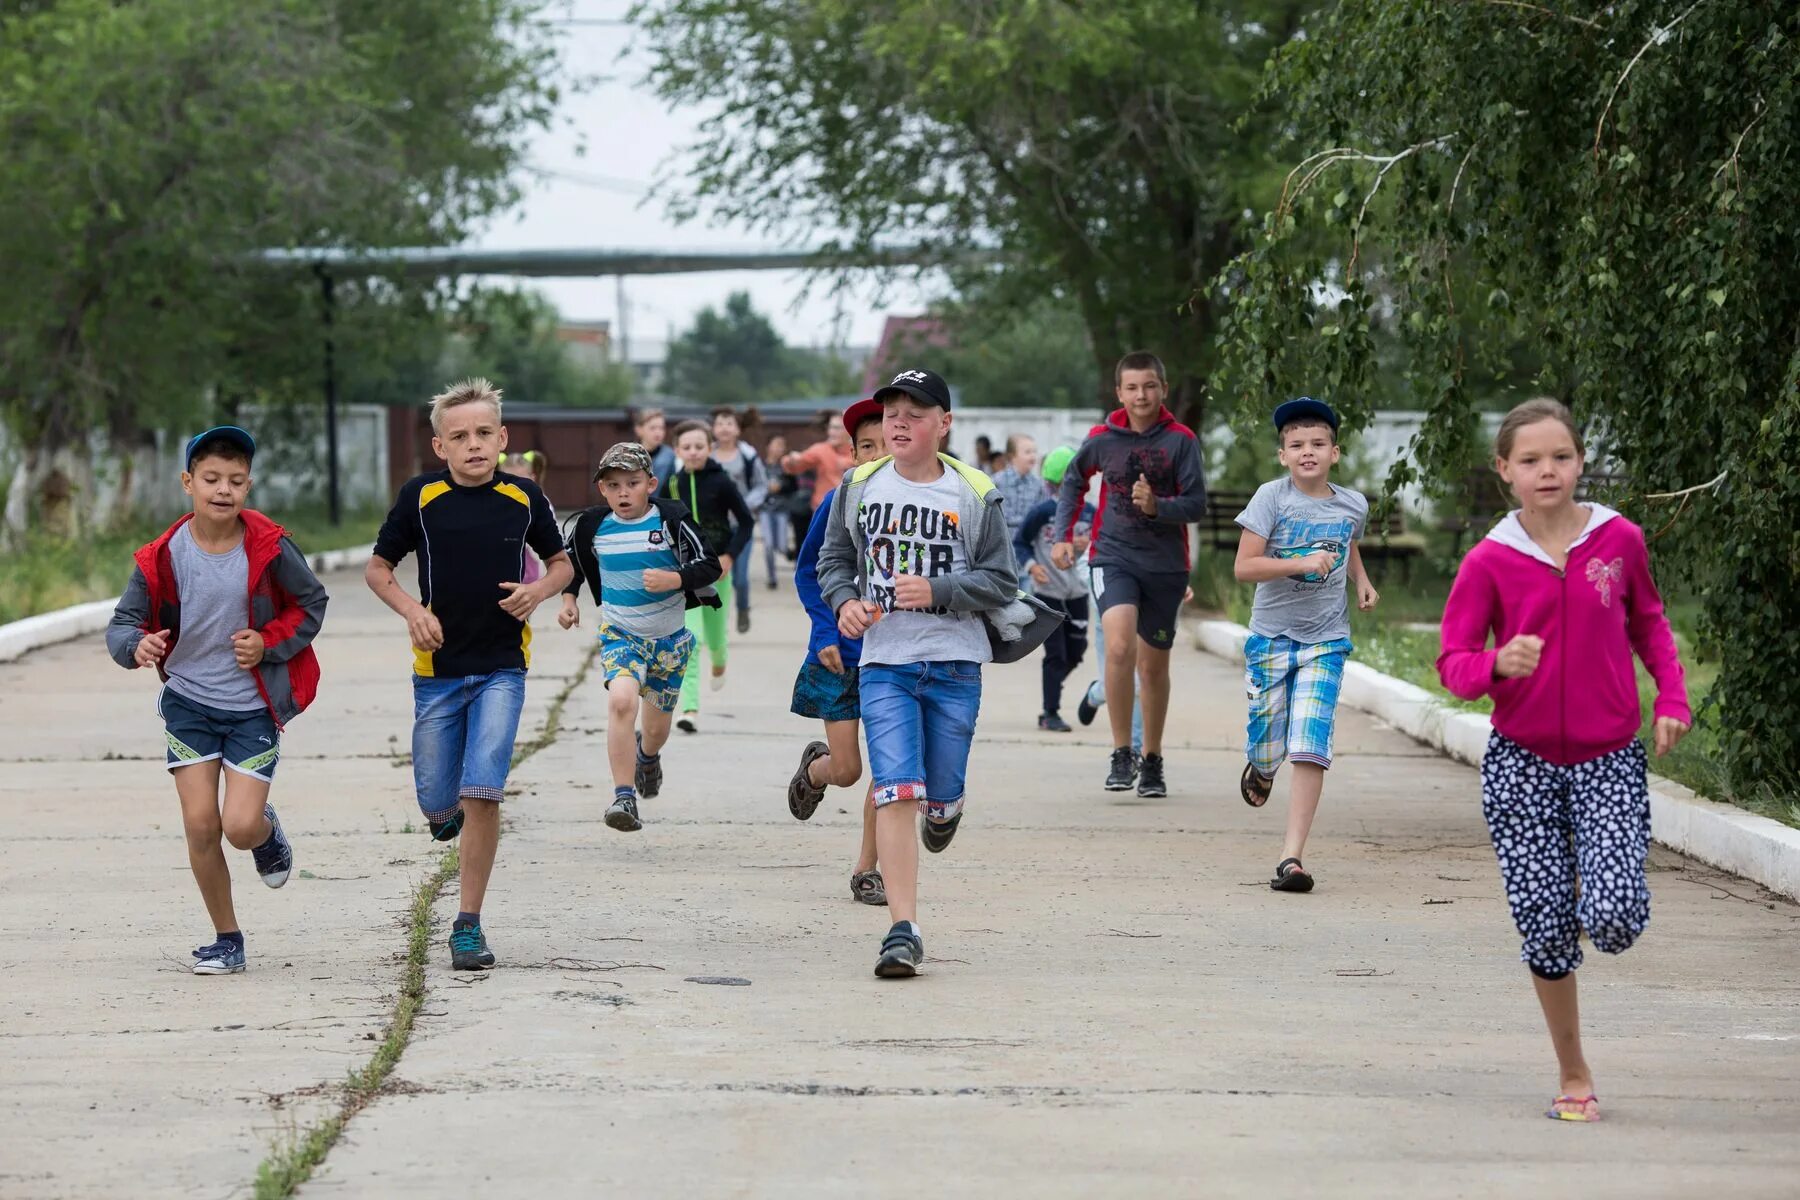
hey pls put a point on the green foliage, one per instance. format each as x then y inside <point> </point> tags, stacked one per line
<point>735,357</point>
<point>152,146</point>
<point>1002,355</point>
<point>1099,149</point>
<point>510,336</point>
<point>1610,184</point>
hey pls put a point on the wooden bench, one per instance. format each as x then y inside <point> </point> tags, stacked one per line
<point>1385,540</point>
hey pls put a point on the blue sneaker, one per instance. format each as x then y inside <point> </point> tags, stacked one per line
<point>901,953</point>
<point>275,857</point>
<point>220,958</point>
<point>469,949</point>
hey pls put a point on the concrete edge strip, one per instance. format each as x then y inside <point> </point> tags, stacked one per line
<point>1720,835</point>
<point>19,638</point>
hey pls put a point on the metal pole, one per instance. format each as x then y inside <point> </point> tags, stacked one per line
<point>334,506</point>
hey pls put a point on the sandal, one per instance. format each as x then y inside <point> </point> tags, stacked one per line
<point>867,887</point>
<point>1587,1108</point>
<point>1254,787</point>
<point>803,794</point>
<point>1290,876</point>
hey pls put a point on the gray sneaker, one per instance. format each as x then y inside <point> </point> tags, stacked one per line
<point>901,954</point>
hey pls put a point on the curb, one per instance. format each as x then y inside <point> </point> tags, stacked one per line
<point>1719,835</point>
<point>19,638</point>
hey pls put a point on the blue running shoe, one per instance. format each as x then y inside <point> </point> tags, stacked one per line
<point>469,949</point>
<point>221,958</point>
<point>901,953</point>
<point>275,857</point>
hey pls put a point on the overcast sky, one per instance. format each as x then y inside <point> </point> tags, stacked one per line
<point>598,200</point>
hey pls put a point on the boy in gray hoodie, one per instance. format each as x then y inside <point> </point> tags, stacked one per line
<point>916,555</point>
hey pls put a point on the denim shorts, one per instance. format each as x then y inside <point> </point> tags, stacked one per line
<point>196,733</point>
<point>463,732</point>
<point>824,696</point>
<point>919,719</point>
<point>658,664</point>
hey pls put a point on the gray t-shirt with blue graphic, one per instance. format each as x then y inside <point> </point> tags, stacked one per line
<point>1307,608</point>
<point>215,603</point>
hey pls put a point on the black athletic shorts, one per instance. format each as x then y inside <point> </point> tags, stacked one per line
<point>1157,597</point>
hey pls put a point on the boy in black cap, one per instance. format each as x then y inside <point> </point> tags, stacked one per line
<point>1299,547</point>
<point>232,679</point>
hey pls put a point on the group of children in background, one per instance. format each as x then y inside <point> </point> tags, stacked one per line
<point>909,574</point>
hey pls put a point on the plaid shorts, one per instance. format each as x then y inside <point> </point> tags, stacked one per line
<point>656,663</point>
<point>1293,690</point>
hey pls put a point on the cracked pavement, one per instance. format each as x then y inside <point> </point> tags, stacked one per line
<point>1113,1003</point>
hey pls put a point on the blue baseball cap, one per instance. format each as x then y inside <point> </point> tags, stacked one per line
<point>1304,406</point>
<point>230,433</point>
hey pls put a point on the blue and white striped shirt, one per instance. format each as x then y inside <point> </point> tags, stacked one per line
<point>625,550</point>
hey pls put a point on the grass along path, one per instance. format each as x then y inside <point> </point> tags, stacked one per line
<point>291,1164</point>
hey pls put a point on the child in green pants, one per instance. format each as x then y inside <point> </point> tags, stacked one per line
<point>727,524</point>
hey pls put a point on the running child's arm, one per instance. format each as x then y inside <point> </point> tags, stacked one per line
<point>399,537</point>
<point>1647,625</point>
<point>1025,541</point>
<point>295,626</point>
<point>127,629</point>
<point>758,479</point>
<point>806,582</point>
<point>1188,504</point>
<point>991,581</point>
<point>1366,595</point>
<point>1464,663</point>
<point>1255,565</point>
<point>701,566</point>
<point>838,583</point>
<point>743,521</point>
<point>1068,505</point>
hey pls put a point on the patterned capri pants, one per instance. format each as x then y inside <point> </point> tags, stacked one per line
<point>1571,843</point>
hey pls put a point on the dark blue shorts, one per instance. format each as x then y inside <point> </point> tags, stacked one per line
<point>196,733</point>
<point>826,697</point>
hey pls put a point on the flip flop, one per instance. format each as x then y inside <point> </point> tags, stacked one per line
<point>1291,880</point>
<point>1254,787</point>
<point>1584,1113</point>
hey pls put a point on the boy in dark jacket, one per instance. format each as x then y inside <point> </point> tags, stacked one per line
<point>647,564</point>
<point>225,608</point>
<point>727,523</point>
<point>1151,490</point>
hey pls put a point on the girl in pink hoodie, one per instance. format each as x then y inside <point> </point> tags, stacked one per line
<point>1564,589</point>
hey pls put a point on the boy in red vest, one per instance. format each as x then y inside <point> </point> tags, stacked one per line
<point>224,606</point>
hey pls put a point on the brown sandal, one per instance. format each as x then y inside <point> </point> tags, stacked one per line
<point>1255,787</point>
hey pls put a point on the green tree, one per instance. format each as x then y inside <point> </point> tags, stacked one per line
<point>154,145</point>
<point>1105,152</point>
<point>1002,355</point>
<point>510,336</point>
<point>1611,184</point>
<point>735,356</point>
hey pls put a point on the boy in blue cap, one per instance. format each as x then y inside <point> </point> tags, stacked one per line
<point>1300,548</point>
<point>224,606</point>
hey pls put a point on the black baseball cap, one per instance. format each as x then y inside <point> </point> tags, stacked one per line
<point>227,433</point>
<point>1304,406</point>
<point>927,387</point>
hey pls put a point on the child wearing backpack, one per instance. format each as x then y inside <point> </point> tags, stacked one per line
<point>727,524</point>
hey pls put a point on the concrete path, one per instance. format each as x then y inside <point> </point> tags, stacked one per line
<point>1115,1004</point>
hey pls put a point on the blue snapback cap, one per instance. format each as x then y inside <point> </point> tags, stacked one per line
<point>231,433</point>
<point>1305,406</point>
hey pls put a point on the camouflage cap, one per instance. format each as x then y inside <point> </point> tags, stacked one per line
<point>624,456</point>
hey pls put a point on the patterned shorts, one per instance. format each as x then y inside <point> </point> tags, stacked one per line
<point>656,663</point>
<point>824,696</point>
<point>1293,691</point>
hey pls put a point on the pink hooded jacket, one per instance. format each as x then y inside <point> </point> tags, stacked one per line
<point>1582,701</point>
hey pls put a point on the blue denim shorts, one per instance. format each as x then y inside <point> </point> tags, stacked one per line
<point>824,696</point>
<point>196,733</point>
<point>463,732</point>
<point>919,720</point>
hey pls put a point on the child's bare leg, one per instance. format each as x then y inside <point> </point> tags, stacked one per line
<point>245,825</point>
<point>842,767</point>
<point>1305,783</point>
<point>1562,1014</point>
<point>621,729</point>
<point>866,858</point>
<point>1120,669</point>
<point>198,787</point>
<point>657,722</point>
<point>475,855</point>
<point>897,847</point>
<point>1153,694</point>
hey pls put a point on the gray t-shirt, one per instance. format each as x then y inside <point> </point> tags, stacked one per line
<point>215,603</point>
<point>1307,608</point>
<point>915,529</point>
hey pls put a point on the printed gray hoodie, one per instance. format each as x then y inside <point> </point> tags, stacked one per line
<point>1168,455</point>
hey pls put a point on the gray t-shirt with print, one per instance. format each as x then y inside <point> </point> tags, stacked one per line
<point>215,603</point>
<point>915,529</point>
<point>1307,608</point>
